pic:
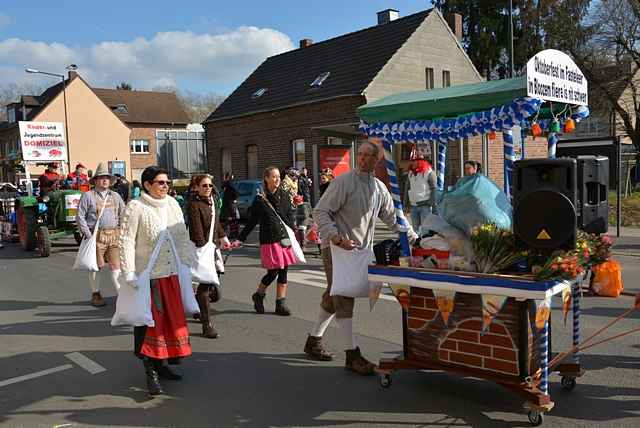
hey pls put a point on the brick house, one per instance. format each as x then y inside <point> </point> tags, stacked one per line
<point>300,100</point>
<point>155,118</point>
<point>142,128</point>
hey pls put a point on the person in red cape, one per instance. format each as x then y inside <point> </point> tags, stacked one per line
<point>420,190</point>
<point>144,221</point>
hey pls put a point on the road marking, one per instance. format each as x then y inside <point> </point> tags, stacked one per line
<point>312,272</point>
<point>34,375</point>
<point>296,276</point>
<point>86,363</point>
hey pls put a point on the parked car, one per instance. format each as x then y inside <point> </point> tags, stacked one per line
<point>247,191</point>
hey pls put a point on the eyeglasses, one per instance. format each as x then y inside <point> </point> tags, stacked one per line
<point>206,185</point>
<point>162,182</point>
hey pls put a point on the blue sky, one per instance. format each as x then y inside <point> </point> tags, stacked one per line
<point>203,46</point>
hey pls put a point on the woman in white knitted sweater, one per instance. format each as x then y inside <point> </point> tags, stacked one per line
<point>144,220</point>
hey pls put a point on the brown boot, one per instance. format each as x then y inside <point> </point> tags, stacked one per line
<point>97,300</point>
<point>202,296</point>
<point>315,351</point>
<point>357,363</point>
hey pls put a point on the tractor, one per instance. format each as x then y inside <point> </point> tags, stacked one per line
<point>48,218</point>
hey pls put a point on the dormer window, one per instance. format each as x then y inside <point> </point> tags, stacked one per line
<point>120,108</point>
<point>320,79</point>
<point>260,92</point>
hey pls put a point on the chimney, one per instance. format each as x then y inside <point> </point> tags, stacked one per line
<point>455,23</point>
<point>305,43</point>
<point>72,74</point>
<point>388,15</point>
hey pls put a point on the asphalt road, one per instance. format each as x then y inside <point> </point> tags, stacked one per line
<point>62,364</point>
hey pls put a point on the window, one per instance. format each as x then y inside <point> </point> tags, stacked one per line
<point>226,161</point>
<point>252,162</point>
<point>298,153</point>
<point>429,78</point>
<point>260,92</point>
<point>11,115</point>
<point>446,78</point>
<point>320,79</point>
<point>139,146</point>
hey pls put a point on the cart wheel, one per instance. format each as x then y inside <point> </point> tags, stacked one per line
<point>385,380</point>
<point>536,417</point>
<point>78,237</point>
<point>568,383</point>
<point>43,241</point>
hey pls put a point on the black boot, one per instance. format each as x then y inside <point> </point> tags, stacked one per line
<point>357,363</point>
<point>215,293</point>
<point>165,372</point>
<point>281,307</point>
<point>315,351</point>
<point>202,297</point>
<point>153,381</point>
<point>258,302</point>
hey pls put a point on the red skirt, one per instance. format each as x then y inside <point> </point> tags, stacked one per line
<point>170,336</point>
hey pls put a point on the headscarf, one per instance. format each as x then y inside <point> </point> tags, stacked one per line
<point>421,166</point>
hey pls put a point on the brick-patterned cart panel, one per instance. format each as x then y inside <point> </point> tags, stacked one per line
<point>461,342</point>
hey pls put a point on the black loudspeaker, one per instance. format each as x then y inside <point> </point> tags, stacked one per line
<point>593,193</point>
<point>544,203</point>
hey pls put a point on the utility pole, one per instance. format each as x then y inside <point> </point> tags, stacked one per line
<point>511,67</point>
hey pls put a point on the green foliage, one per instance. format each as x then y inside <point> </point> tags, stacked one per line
<point>124,86</point>
<point>494,248</point>
<point>537,25</point>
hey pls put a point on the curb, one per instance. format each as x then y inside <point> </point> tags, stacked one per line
<point>615,253</point>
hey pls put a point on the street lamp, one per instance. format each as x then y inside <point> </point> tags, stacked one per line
<point>64,96</point>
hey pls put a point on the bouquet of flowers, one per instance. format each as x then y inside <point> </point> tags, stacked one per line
<point>599,247</point>
<point>561,265</point>
<point>494,248</point>
<point>590,250</point>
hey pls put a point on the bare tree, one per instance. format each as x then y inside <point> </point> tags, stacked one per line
<point>610,60</point>
<point>11,93</point>
<point>198,106</point>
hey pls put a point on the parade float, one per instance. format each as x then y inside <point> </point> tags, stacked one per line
<point>483,310</point>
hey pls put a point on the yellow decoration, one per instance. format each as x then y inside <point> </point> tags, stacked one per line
<point>566,303</point>
<point>542,313</point>
<point>543,235</point>
<point>491,306</point>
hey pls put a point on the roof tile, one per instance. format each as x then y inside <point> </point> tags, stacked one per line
<point>353,60</point>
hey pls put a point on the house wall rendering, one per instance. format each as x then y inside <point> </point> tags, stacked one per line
<point>433,45</point>
<point>95,133</point>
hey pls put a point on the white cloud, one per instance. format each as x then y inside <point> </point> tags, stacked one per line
<point>216,60</point>
<point>4,20</point>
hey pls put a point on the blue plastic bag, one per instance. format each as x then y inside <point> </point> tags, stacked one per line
<point>475,200</point>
